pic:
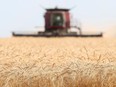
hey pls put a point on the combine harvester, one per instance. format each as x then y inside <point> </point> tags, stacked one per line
<point>58,23</point>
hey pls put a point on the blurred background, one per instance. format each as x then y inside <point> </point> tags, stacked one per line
<point>94,15</point>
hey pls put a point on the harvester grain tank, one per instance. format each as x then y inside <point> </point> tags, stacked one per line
<point>58,23</point>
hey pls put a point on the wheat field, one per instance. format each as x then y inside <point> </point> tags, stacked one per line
<point>57,62</point>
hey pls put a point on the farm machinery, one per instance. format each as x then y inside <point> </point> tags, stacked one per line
<point>58,23</point>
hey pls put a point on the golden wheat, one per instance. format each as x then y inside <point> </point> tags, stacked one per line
<point>57,62</point>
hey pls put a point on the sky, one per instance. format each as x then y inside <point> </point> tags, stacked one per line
<point>16,15</point>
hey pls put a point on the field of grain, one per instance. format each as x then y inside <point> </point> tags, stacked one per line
<point>57,62</point>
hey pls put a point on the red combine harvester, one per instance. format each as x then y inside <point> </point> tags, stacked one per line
<point>58,23</point>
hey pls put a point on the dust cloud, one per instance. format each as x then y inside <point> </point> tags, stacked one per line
<point>110,32</point>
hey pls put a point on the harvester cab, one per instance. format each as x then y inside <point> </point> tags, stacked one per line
<point>57,22</point>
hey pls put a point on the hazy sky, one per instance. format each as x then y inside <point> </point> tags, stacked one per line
<point>26,14</point>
